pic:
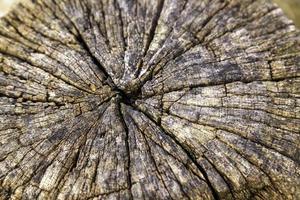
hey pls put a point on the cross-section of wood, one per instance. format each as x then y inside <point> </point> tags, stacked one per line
<point>139,99</point>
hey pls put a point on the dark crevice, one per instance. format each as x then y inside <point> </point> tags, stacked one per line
<point>68,169</point>
<point>230,130</point>
<point>271,70</point>
<point>243,80</point>
<point>148,147</point>
<point>30,63</point>
<point>127,96</point>
<point>122,118</point>
<point>189,154</point>
<point>102,133</point>
<point>128,99</point>
<point>120,17</point>
<point>238,151</point>
<point>223,176</point>
<point>108,81</point>
<point>154,24</point>
<point>176,158</point>
<point>247,186</point>
<point>95,60</point>
<point>81,41</point>
<point>150,38</point>
<point>75,160</point>
<point>26,38</point>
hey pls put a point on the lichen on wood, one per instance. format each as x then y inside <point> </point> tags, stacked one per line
<point>139,99</point>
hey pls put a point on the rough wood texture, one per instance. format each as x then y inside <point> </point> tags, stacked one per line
<point>139,99</point>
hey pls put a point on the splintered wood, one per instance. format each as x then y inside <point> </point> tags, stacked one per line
<point>160,99</point>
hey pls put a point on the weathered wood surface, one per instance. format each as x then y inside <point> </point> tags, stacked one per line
<point>162,99</point>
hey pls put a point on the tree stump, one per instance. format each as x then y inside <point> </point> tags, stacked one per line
<point>160,99</point>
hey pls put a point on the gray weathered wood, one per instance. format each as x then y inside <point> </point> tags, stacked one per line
<point>140,99</point>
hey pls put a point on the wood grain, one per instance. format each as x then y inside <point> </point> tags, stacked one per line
<point>162,99</point>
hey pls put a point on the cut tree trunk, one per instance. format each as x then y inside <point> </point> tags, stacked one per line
<point>149,99</point>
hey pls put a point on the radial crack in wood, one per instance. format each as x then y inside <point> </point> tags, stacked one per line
<point>162,99</point>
